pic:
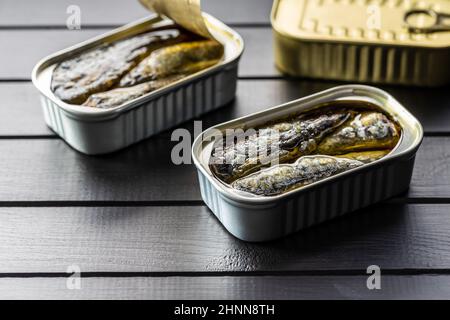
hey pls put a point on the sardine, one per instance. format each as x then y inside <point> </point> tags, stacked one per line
<point>369,130</point>
<point>297,137</point>
<point>365,156</point>
<point>100,69</point>
<point>285,177</point>
<point>182,58</point>
<point>116,97</point>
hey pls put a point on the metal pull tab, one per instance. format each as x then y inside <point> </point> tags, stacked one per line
<point>426,21</point>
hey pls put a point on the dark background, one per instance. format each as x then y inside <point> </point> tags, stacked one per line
<point>135,223</point>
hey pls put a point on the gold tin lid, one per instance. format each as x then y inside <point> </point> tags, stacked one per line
<point>380,22</point>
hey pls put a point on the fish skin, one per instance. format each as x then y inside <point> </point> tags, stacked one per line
<point>365,156</point>
<point>366,131</point>
<point>285,177</point>
<point>298,137</point>
<point>118,96</point>
<point>101,68</point>
<point>185,58</point>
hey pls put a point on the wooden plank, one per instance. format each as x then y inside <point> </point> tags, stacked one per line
<point>235,288</point>
<point>20,114</point>
<point>143,172</point>
<point>190,239</point>
<point>54,13</point>
<point>49,170</point>
<point>17,62</point>
<point>40,43</point>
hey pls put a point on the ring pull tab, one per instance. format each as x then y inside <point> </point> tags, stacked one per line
<point>426,21</point>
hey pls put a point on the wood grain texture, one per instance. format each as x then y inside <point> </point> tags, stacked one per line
<point>49,170</point>
<point>21,115</point>
<point>234,288</point>
<point>191,239</point>
<point>54,13</point>
<point>17,63</point>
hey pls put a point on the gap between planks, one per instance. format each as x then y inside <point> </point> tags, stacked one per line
<point>243,78</point>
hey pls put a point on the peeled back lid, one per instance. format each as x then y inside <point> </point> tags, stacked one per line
<point>357,21</point>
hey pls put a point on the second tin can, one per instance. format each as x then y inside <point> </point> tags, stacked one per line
<point>360,40</point>
<point>265,218</point>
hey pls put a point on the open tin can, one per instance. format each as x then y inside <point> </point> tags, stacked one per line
<point>98,131</point>
<point>253,218</point>
<point>368,41</point>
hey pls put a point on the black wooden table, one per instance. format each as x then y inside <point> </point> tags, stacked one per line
<point>135,224</point>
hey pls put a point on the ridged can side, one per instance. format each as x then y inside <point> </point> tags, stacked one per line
<point>276,219</point>
<point>362,62</point>
<point>149,118</point>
